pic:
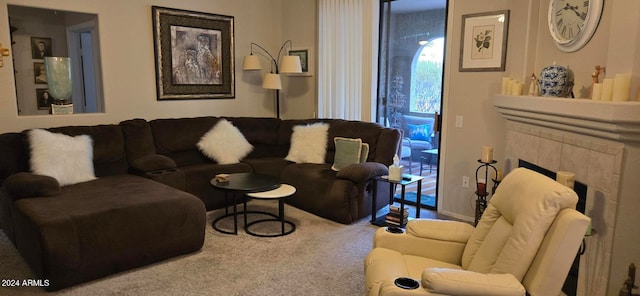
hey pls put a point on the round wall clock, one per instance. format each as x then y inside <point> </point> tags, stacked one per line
<point>573,22</point>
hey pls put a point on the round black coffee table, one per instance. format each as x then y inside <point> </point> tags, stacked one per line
<point>242,183</point>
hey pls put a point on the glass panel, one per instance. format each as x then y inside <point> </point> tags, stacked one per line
<point>411,57</point>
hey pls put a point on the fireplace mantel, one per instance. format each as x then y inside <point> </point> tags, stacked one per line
<point>618,121</point>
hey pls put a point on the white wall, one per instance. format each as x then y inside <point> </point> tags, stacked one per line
<point>126,39</point>
<point>298,99</point>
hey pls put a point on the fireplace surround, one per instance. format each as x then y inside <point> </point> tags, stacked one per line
<point>600,143</point>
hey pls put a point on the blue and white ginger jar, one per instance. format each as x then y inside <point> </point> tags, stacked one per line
<point>553,80</point>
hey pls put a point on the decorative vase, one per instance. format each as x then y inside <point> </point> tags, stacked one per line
<point>555,81</point>
<point>59,77</point>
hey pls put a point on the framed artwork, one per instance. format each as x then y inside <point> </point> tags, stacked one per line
<point>484,41</point>
<point>43,98</point>
<point>39,73</point>
<point>194,54</point>
<point>40,47</point>
<point>306,60</point>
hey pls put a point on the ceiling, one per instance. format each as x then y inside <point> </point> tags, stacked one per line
<point>416,5</point>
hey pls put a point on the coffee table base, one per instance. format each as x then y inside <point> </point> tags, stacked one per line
<point>276,218</point>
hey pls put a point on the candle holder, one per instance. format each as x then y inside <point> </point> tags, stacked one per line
<point>481,200</point>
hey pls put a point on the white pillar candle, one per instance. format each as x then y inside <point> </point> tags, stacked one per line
<point>487,154</point>
<point>505,85</point>
<point>516,88</point>
<point>597,91</point>
<point>607,89</point>
<point>621,87</point>
<point>566,178</point>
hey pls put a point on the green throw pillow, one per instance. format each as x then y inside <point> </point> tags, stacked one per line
<point>348,152</point>
<point>364,152</point>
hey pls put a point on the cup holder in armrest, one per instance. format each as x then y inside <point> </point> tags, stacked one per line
<point>406,283</point>
<point>394,229</point>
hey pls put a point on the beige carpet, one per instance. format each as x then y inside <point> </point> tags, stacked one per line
<point>320,258</point>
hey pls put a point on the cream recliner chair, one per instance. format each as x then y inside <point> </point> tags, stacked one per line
<point>525,242</point>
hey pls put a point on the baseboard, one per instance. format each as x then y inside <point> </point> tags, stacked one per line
<point>458,216</point>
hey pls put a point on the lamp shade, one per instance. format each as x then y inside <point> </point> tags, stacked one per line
<point>58,77</point>
<point>251,62</point>
<point>290,64</point>
<point>271,81</point>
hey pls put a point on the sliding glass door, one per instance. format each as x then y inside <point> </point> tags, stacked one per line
<point>411,63</point>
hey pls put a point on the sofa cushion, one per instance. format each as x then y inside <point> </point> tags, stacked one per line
<point>224,143</point>
<point>109,157</point>
<point>15,158</point>
<point>177,138</point>
<point>67,159</point>
<point>308,143</point>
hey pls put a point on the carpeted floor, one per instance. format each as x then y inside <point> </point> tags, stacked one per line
<point>320,258</point>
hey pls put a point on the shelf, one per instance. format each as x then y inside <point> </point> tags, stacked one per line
<point>618,121</point>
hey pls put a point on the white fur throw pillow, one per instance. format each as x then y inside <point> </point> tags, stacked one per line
<point>308,143</point>
<point>67,159</point>
<point>224,143</point>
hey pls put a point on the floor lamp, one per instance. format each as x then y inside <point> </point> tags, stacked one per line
<point>288,64</point>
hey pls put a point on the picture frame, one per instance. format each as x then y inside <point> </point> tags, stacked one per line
<point>40,47</point>
<point>194,54</point>
<point>306,60</point>
<point>483,45</point>
<point>43,99</point>
<point>39,73</point>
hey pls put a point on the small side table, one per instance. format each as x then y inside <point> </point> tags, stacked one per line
<point>406,180</point>
<point>280,193</point>
<point>428,155</point>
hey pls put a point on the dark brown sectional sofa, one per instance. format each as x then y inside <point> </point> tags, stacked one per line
<point>129,217</point>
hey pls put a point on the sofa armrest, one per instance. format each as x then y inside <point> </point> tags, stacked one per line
<point>25,185</point>
<point>467,283</point>
<point>361,172</point>
<point>442,240</point>
<point>153,163</point>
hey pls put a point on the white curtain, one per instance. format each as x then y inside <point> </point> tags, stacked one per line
<point>347,57</point>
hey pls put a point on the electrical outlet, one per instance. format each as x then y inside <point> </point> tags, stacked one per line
<point>465,181</point>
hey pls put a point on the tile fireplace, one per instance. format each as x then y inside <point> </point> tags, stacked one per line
<point>600,143</point>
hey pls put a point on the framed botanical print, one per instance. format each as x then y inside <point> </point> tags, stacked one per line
<point>484,41</point>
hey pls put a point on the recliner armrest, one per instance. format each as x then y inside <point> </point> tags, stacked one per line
<point>25,185</point>
<point>152,163</point>
<point>361,172</point>
<point>436,239</point>
<point>468,283</point>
